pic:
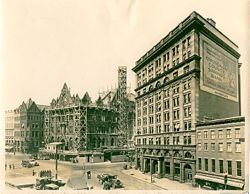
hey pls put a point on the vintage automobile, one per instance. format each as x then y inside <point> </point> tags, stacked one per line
<point>109,181</point>
<point>28,163</point>
<point>47,183</point>
<point>51,187</point>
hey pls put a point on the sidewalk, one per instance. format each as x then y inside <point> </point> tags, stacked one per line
<point>164,183</point>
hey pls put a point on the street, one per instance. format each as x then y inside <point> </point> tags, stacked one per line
<point>67,170</point>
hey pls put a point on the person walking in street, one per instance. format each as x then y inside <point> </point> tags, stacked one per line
<point>10,166</point>
<point>13,166</point>
<point>5,166</point>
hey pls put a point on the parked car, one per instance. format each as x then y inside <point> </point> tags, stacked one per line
<point>34,162</point>
<point>109,181</point>
<point>28,163</point>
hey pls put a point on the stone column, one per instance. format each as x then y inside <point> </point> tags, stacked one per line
<point>145,167</point>
<point>172,168</point>
<point>182,174</point>
<point>159,168</point>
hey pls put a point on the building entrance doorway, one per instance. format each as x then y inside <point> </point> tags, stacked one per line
<point>154,167</point>
<point>188,174</point>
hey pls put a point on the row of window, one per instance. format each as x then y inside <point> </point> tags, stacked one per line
<point>222,169</point>
<point>166,140</point>
<point>220,134</point>
<point>220,147</point>
<point>165,60</point>
<point>166,116</point>
<point>166,128</point>
<point>166,94</point>
<point>186,69</point>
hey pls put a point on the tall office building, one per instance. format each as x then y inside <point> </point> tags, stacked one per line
<point>191,75</point>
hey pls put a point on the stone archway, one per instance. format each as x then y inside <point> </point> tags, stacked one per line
<point>188,173</point>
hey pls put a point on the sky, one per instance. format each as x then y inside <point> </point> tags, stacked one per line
<point>49,42</point>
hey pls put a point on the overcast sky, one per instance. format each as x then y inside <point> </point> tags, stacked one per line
<point>82,43</point>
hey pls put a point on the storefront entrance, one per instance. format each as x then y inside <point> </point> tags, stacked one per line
<point>188,173</point>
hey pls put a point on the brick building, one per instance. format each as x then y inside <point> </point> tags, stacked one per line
<point>28,127</point>
<point>220,153</point>
<point>190,75</point>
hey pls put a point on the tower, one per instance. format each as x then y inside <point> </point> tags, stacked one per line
<point>122,106</point>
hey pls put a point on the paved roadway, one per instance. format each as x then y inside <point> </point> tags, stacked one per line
<point>67,169</point>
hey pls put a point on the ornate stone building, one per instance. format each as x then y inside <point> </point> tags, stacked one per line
<point>190,75</point>
<point>79,124</point>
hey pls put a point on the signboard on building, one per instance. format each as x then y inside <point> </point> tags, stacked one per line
<point>219,72</point>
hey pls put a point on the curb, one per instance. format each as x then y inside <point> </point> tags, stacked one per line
<point>143,180</point>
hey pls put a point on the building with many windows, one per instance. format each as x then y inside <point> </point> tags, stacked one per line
<point>9,129</point>
<point>220,153</point>
<point>79,124</point>
<point>191,75</point>
<point>28,127</point>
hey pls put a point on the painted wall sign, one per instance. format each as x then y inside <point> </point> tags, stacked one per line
<point>219,72</point>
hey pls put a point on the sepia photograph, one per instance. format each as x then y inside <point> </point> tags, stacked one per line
<point>125,96</point>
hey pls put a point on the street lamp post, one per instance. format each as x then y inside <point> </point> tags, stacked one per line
<point>56,144</point>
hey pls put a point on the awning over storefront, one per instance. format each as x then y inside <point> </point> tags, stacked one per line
<point>218,180</point>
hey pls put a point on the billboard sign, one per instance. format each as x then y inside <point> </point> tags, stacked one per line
<point>219,72</point>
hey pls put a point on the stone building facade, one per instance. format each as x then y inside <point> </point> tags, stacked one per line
<point>79,124</point>
<point>190,75</point>
<point>28,127</point>
<point>9,128</point>
<point>220,153</point>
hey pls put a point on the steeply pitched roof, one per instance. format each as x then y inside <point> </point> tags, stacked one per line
<point>86,98</point>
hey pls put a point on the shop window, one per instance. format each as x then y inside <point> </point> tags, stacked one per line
<point>238,164</point>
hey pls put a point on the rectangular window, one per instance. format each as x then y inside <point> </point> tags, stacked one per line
<point>221,166</point>
<point>205,134</point>
<point>237,147</point>
<point>238,163</point>
<point>164,58</point>
<point>237,133</point>
<point>175,74</point>
<point>220,147</point>
<point>213,165</point>
<point>184,57</point>
<point>205,147</point>
<point>184,44</point>
<point>212,134</point>
<point>166,128</point>
<point>188,41</point>
<point>199,135</point>
<point>229,167</point>
<point>206,164</point>
<point>173,51</point>
<point>229,147</point>
<point>213,146</point>
<point>186,69</point>
<point>228,133</point>
<point>199,163</point>
<point>199,147</point>
<point>220,134</point>
<point>176,114</point>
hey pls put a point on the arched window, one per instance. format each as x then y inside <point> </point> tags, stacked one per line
<point>188,155</point>
<point>158,84</point>
<point>150,88</point>
<point>166,80</point>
